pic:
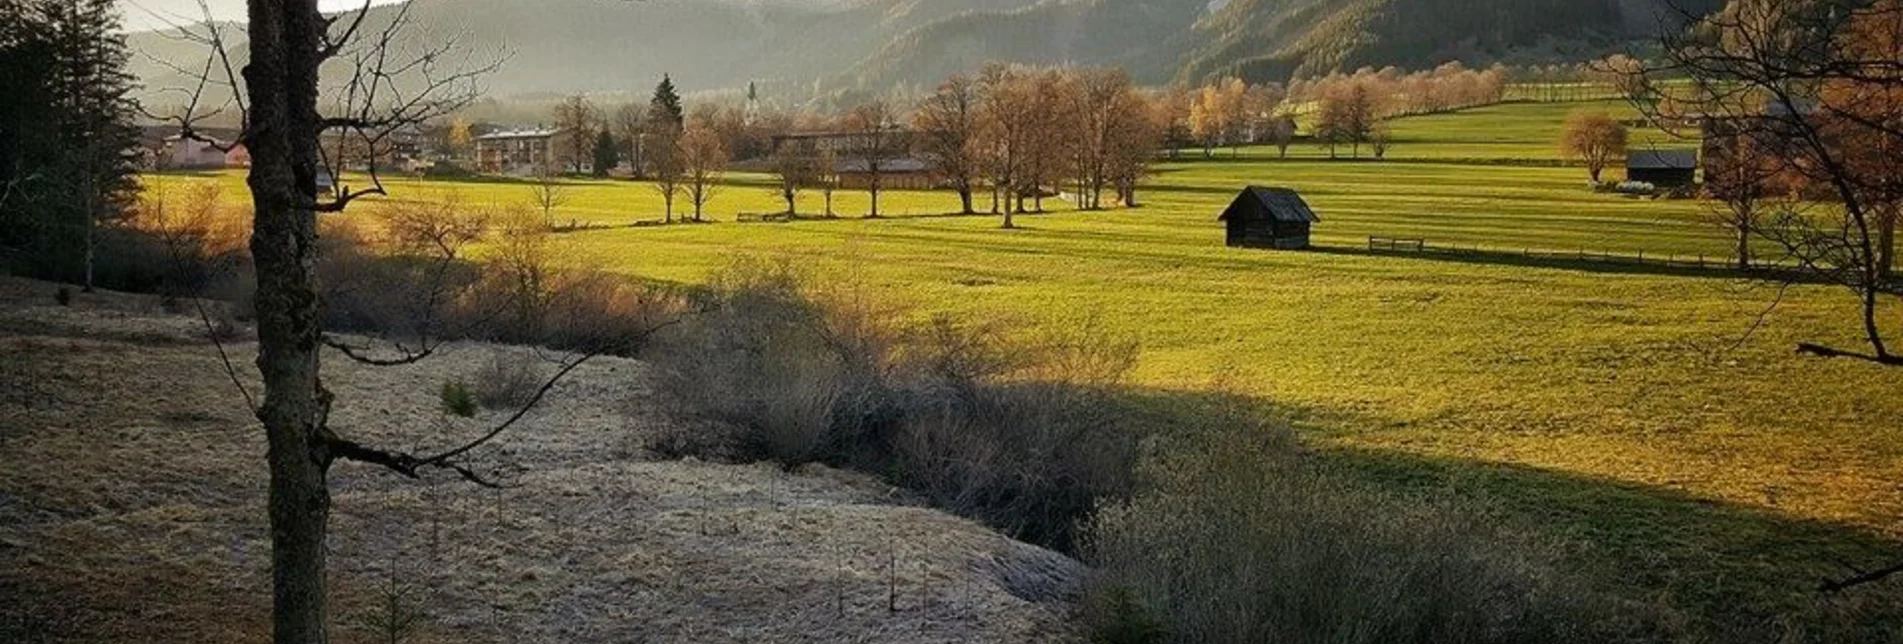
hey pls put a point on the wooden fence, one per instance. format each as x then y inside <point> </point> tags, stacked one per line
<point>1419,246</point>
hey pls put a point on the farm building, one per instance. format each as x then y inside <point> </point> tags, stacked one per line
<point>1663,168</point>
<point>1269,218</point>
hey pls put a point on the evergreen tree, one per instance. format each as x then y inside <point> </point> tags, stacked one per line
<point>27,143</point>
<point>665,108</point>
<point>69,111</point>
<point>607,153</point>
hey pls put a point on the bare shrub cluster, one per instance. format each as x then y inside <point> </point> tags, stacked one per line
<point>188,243</point>
<point>438,271</point>
<point>1018,431</point>
<point>1246,540</point>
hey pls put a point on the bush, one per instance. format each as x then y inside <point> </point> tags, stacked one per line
<point>1246,540</point>
<point>458,399</point>
<point>415,284</point>
<point>1114,617</point>
<point>507,381</point>
<point>1017,431</point>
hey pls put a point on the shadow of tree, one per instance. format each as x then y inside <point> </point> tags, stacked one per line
<point>1736,573</point>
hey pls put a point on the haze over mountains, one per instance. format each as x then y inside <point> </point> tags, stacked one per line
<point>798,49</point>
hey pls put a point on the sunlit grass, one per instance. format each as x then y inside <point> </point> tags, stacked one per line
<point>1604,378</point>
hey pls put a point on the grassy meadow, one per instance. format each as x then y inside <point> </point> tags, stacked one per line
<point>1630,410</point>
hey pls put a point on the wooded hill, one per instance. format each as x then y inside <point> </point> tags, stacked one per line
<point>799,50</point>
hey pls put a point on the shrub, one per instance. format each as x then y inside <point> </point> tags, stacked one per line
<point>1246,540</point>
<point>458,399</point>
<point>507,381</point>
<point>1113,616</point>
<point>1018,431</point>
<point>63,296</point>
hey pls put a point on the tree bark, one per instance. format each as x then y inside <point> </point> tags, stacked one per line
<point>282,136</point>
<point>1886,240</point>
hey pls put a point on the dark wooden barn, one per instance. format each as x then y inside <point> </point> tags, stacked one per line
<point>1269,218</point>
<point>1662,168</point>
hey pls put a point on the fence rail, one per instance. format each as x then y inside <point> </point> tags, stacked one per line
<point>1420,246</point>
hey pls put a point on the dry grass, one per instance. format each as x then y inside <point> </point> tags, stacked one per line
<point>132,508</point>
<point>1243,539</point>
<point>1019,432</point>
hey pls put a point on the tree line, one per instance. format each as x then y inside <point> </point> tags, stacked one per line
<point>1014,134</point>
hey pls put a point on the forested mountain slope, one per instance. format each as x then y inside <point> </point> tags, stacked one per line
<point>799,49</point>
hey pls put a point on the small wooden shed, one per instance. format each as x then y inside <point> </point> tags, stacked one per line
<point>1264,217</point>
<point>1662,168</point>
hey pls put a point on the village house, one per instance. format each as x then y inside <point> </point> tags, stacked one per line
<point>180,153</point>
<point>518,152</point>
<point>1263,217</point>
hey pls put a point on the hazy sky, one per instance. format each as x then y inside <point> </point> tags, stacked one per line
<point>152,14</point>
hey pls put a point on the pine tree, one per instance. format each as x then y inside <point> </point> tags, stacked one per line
<point>607,153</point>
<point>665,108</point>
<point>27,144</point>
<point>76,129</point>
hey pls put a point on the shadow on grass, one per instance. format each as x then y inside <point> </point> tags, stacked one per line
<point>1582,261</point>
<point>1737,573</point>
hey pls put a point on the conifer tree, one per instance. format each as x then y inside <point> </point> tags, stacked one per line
<point>665,107</point>
<point>68,124</point>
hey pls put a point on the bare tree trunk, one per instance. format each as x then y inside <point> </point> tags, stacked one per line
<point>1886,240</point>
<point>1871,329</point>
<point>282,137</point>
<point>964,199</point>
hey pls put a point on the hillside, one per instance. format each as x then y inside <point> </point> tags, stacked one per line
<point>1276,38</point>
<point>132,501</point>
<point>797,50</point>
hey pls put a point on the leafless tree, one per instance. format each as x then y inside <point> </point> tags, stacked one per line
<point>703,163</point>
<point>630,127</point>
<point>793,170</point>
<point>1002,134</point>
<point>826,176</point>
<point>665,165</point>
<point>1821,85</point>
<point>547,191</point>
<point>1282,133</point>
<point>1594,138</point>
<point>296,130</point>
<point>876,139</point>
<point>947,123</point>
<point>576,121</point>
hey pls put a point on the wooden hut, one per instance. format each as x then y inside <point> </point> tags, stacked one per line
<point>1269,218</point>
<point>1662,168</point>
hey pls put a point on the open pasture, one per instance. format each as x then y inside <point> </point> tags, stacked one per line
<point>1630,409</point>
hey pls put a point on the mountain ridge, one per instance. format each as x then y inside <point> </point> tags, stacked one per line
<point>799,51</point>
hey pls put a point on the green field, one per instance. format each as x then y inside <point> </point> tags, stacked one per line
<point>1621,407</point>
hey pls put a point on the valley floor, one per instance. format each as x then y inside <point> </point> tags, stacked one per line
<point>1656,417</point>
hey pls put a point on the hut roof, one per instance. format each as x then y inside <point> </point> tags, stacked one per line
<point>1662,160</point>
<point>1282,204</point>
